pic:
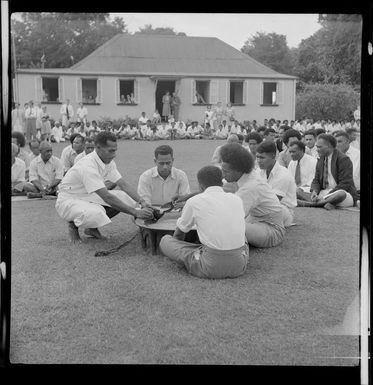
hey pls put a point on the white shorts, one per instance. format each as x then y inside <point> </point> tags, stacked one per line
<point>347,202</point>
<point>87,214</point>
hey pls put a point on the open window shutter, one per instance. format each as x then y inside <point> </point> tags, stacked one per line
<point>61,95</point>
<point>117,93</point>
<point>99,91</point>
<point>279,92</point>
<point>193,98</point>
<point>137,91</point>
<point>227,91</point>
<point>261,93</point>
<point>245,90</point>
<point>79,96</point>
<point>214,91</point>
<point>38,89</point>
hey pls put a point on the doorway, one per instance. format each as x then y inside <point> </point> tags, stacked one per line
<point>162,87</point>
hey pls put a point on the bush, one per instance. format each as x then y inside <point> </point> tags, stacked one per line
<point>326,101</point>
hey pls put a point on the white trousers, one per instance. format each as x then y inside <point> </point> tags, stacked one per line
<point>87,214</point>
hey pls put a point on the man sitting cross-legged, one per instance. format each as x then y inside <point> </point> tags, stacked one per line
<point>46,172</point>
<point>333,184</point>
<point>19,184</point>
<point>219,219</point>
<point>263,210</point>
<point>83,199</point>
<point>279,178</point>
<point>302,168</point>
<point>163,183</point>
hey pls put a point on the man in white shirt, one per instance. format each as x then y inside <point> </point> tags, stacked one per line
<point>289,136</point>
<point>89,146</point>
<point>68,151</point>
<point>18,176</point>
<point>310,142</point>
<point>83,199</point>
<point>163,183</point>
<point>263,210</point>
<point>180,131</point>
<point>279,178</point>
<point>142,124</point>
<point>46,172</point>
<point>81,113</point>
<point>30,116</point>
<point>343,145</point>
<point>57,134</point>
<point>77,148</point>
<point>219,219</point>
<point>67,113</point>
<point>302,167</point>
<point>221,132</point>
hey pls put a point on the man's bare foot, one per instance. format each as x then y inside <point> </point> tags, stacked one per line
<point>73,233</point>
<point>329,206</point>
<point>94,233</point>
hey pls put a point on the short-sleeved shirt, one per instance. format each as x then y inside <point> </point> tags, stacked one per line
<point>283,184</point>
<point>45,172</point>
<point>354,155</point>
<point>259,200</point>
<point>87,176</point>
<point>157,191</point>
<point>218,217</point>
<point>18,170</point>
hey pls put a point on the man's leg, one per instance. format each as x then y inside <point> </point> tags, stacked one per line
<point>261,234</point>
<point>183,253</point>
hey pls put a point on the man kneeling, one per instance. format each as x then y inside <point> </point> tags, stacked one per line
<point>84,200</point>
<point>219,219</point>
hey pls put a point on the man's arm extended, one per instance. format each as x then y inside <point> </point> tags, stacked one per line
<point>124,186</point>
<point>117,204</point>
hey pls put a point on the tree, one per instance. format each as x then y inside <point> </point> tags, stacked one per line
<point>326,101</point>
<point>149,30</point>
<point>61,37</point>
<point>270,49</point>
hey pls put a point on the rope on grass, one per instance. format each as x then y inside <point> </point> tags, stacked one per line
<point>103,253</point>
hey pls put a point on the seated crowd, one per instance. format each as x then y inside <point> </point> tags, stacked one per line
<point>268,171</point>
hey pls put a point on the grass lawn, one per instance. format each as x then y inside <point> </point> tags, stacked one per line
<point>295,305</point>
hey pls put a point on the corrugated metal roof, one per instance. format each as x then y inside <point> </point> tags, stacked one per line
<point>176,55</point>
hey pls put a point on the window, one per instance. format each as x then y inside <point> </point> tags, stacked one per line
<point>269,93</point>
<point>236,92</point>
<point>50,90</point>
<point>202,95</point>
<point>127,91</point>
<point>89,91</point>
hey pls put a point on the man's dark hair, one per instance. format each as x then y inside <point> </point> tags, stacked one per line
<point>163,150</point>
<point>240,138</point>
<point>73,136</point>
<point>343,133</point>
<point>34,141</point>
<point>328,138</point>
<point>79,136</point>
<point>103,137</point>
<point>268,130</point>
<point>254,136</point>
<point>238,157</point>
<point>210,176</point>
<point>290,134</point>
<point>261,128</point>
<point>284,127</point>
<point>21,140</point>
<point>300,145</point>
<point>319,131</point>
<point>350,130</point>
<point>267,147</point>
<point>311,132</point>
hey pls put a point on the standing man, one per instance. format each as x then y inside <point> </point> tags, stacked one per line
<point>46,172</point>
<point>18,118</point>
<point>219,219</point>
<point>175,105</point>
<point>30,116</point>
<point>333,184</point>
<point>279,178</point>
<point>67,113</point>
<point>163,183</point>
<point>83,199</point>
<point>263,211</point>
<point>81,113</point>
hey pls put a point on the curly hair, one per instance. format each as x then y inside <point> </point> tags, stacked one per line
<point>21,140</point>
<point>328,138</point>
<point>254,136</point>
<point>237,156</point>
<point>103,137</point>
<point>290,134</point>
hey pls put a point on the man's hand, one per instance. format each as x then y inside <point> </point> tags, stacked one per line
<point>314,196</point>
<point>143,203</point>
<point>145,213</point>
